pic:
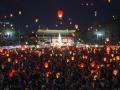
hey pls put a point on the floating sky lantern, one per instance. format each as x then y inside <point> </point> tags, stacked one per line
<point>70,52</point>
<point>7,55</point>
<point>22,47</point>
<point>57,75</point>
<point>108,48</point>
<point>46,65</point>
<point>72,58</point>
<point>117,58</point>
<point>13,70</point>
<point>22,55</point>
<point>81,65</point>
<point>39,54</point>
<point>85,57</point>
<point>73,34</point>
<point>76,26</point>
<point>97,66</point>
<point>109,1</point>
<point>47,74</point>
<point>112,55</point>
<point>108,65</point>
<point>60,13</point>
<point>107,39</point>
<point>115,72</point>
<point>95,77</point>
<point>10,74</point>
<point>104,59</point>
<point>9,59</point>
<point>16,61</point>
<point>92,64</point>
<point>43,51</point>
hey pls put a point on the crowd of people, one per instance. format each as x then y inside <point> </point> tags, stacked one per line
<point>66,68</point>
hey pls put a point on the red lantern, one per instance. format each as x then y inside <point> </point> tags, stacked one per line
<point>60,13</point>
<point>10,74</point>
<point>92,64</point>
<point>107,39</point>
<point>76,26</point>
<point>16,61</point>
<point>107,48</point>
<point>22,47</point>
<point>115,72</point>
<point>97,66</point>
<point>13,70</point>
<point>81,65</point>
<point>108,65</point>
<point>46,65</point>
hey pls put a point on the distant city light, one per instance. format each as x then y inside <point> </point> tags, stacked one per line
<point>11,15</point>
<point>20,12</point>
<point>36,20</point>
<point>11,25</point>
<point>95,13</point>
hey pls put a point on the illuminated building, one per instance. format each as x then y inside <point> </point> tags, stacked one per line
<point>55,37</point>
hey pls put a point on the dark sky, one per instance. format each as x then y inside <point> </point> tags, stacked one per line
<point>46,12</point>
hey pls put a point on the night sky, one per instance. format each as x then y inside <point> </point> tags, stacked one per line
<point>80,12</point>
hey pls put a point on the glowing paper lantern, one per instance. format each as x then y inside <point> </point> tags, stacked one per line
<point>47,74</point>
<point>109,1</point>
<point>10,74</point>
<point>7,55</point>
<point>117,58</point>
<point>108,48</point>
<point>9,59</point>
<point>76,26</point>
<point>16,60</point>
<point>85,57</point>
<point>72,58</point>
<point>57,75</point>
<point>60,13</point>
<point>107,39</point>
<point>97,66</point>
<point>112,55</point>
<point>46,65</point>
<point>70,52</point>
<point>115,72</point>
<point>73,34</point>
<point>92,64</point>
<point>22,47</point>
<point>95,77</point>
<point>22,55</point>
<point>104,59</point>
<point>13,70</point>
<point>81,65</point>
<point>108,65</point>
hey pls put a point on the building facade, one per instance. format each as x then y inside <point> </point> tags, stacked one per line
<point>55,37</point>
